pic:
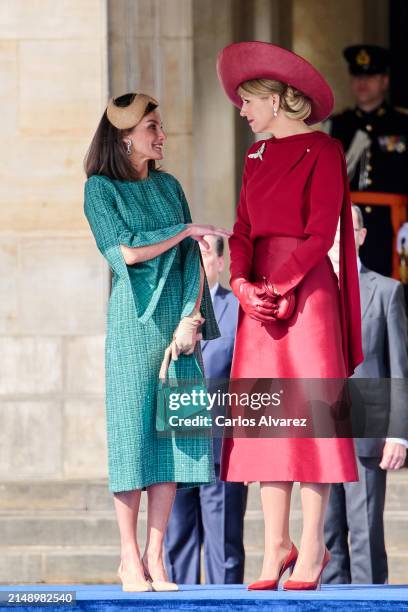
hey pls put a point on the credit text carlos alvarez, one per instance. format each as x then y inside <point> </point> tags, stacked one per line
<point>205,400</point>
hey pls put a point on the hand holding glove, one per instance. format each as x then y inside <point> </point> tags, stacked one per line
<point>186,334</point>
<point>184,341</point>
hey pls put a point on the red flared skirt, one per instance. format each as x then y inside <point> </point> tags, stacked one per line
<point>307,345</point>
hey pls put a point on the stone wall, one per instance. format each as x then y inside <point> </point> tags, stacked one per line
<point>54,284</point>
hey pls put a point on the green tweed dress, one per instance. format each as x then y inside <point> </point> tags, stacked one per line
<point>145,306</point>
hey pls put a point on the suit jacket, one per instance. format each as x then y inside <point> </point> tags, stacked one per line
<point>385,348</point>
<point>217,354</point>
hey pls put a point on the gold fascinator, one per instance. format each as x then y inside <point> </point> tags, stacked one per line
<point>126,117</point>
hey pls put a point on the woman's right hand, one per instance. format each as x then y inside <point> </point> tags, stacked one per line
<point>197,231</point>
<point>253,300</point>
<point>187,333</point>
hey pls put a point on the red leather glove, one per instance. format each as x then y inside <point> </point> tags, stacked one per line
<point>285,303</point>
<point>254,300</point>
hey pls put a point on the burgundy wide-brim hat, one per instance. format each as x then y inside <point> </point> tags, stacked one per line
<point>245,61</point>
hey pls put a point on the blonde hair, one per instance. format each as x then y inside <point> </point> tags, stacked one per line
<point>293,102</point>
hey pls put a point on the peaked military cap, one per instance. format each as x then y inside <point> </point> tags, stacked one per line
<point>367,59</point>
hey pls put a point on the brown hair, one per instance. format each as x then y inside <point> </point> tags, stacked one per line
<point>293,102</point>
<point>106,154</point>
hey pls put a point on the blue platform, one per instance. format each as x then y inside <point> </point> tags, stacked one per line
<point>222,598</point>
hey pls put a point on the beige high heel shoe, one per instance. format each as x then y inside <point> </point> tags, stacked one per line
<point>132,585</point>
<point>159,585</point>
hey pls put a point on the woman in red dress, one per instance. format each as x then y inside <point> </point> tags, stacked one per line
<point>296,319</point>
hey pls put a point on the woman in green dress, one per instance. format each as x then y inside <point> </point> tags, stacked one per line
<point>141,223</point>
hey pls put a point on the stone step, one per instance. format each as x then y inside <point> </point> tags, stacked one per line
<point>75,524</point>
<point>94,495</point>
<point>396,497</point>
<point>61,528</point>
<point>59,565</point>
<point>99,528</point>
<point>56,495</point>
<point>395,521</point>
<point>397,491</point>
<point>95,564</point>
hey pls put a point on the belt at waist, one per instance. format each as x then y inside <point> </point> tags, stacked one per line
<point>270,252</point>
<point>283,242</point>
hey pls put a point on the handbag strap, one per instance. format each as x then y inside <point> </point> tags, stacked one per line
<point>164,369</point>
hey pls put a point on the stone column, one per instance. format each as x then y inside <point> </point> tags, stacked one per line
<point>150,50</point>
<point>214,133</point>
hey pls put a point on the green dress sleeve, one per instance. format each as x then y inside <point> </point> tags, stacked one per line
<point>191,258</point>
<point>110,232</point>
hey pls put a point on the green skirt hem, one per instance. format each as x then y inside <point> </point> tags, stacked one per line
<point>180,485</point>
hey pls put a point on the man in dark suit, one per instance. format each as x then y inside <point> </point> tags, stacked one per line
<point>357,508</point>
<point>211,515</point>
<point>375,139</point>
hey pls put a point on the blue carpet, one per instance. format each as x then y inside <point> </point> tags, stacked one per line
<point>221,598</point>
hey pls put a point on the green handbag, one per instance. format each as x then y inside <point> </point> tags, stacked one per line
<point>182,401</point>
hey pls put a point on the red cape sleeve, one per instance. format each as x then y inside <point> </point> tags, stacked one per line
<point>350,309</point>
<point>329,199</point>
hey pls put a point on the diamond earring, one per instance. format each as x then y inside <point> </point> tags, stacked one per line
<point>275,112</point>
<point>129,147</point>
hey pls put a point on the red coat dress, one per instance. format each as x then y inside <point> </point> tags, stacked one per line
<point>291,199</point>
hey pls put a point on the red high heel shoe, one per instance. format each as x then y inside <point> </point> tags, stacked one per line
<point>272,585</point>
<point>297,585</point>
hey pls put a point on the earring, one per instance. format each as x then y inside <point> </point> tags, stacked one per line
<point>129,147</point>
<point>275,112</point>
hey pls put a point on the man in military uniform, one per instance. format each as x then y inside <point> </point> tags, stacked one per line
<point>375,140</point>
